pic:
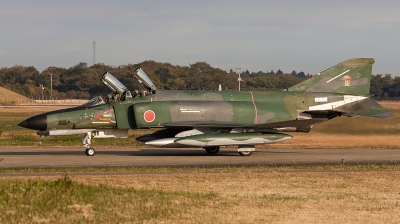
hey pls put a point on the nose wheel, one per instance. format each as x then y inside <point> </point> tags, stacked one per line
<point>90,151</point>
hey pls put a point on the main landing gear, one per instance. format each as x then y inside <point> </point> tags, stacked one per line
<point>246,150</point>
<point>86,141</point>
<point>245,153</point>
<point>212,149</point>
<point>243,150</point>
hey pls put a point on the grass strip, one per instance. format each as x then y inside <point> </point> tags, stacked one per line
<point>66,201</point>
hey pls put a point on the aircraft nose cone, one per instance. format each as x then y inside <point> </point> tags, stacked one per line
<point>23,124</point>
<point>38,122</point>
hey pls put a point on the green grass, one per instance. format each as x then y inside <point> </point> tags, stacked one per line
<point>63,200</point>
<point>239,196</point>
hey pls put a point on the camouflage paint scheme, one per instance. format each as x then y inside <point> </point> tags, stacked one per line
<point>210,119</point>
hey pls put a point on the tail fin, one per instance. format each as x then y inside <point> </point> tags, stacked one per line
<point>352,76</point>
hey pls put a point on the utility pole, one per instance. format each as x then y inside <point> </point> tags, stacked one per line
<point>41,86</point>
<point>51,83</point>
<point>51,86</point>
<point>239,79</point>
<point>94,52</point>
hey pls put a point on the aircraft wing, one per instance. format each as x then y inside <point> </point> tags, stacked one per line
<point>305,124</point>
<point>199,124</point>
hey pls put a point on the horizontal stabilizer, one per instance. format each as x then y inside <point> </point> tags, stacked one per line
<point>365,107</point>
<point>370,108</point>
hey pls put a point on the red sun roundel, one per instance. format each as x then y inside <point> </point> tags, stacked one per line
<point>149,116</point>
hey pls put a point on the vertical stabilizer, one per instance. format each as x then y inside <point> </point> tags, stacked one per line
<point>352,76</point>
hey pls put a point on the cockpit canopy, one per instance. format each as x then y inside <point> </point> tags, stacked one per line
<point>121,92</point>
<point>113,83</point>
<point>142,77</point>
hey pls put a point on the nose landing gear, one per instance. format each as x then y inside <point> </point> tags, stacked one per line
<point>86,141</point>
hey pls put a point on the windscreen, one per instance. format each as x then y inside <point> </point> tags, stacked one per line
<point>94,102</point>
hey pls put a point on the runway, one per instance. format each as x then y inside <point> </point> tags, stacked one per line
<point>52,157</point>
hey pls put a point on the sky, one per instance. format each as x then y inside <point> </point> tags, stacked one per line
<point>254,35</point>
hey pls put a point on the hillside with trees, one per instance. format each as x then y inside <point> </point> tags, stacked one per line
<point>83,82</point>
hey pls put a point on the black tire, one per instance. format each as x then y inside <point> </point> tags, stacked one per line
<point>90,151</point>
<point>246,153</point>
<point>212,149</point>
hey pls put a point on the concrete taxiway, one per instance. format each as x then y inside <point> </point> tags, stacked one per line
<point>53,157</point>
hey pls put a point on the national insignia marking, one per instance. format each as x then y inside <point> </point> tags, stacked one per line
<point>149,116</point>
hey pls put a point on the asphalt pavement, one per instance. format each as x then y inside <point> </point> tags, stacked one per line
<point>53,157</point>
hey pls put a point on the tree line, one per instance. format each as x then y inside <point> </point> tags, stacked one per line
<point>83,82</point>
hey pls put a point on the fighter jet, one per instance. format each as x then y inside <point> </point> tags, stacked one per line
<point>211,119</point>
